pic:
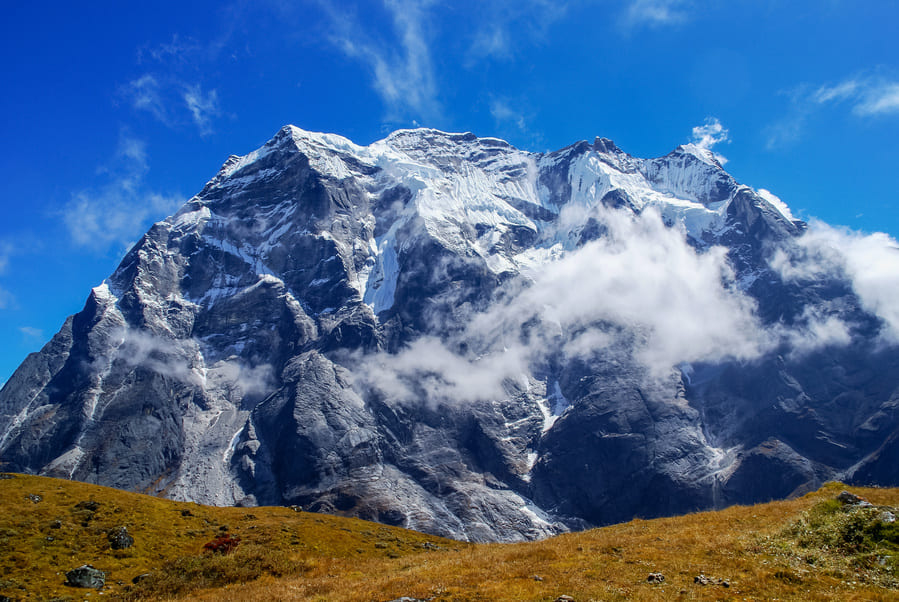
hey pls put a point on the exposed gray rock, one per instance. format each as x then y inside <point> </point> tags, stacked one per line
<point>120,539</point>
<point>850,499</point>
<point>846,497</point>
<point>311,329</point>
<point>86,576</point>
<point>702,579</point>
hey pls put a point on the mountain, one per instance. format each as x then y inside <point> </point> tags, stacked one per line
<point>449,334</point>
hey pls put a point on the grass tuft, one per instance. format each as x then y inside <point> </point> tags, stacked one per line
<point>847,541</point>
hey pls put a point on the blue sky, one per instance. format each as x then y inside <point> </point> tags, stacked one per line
<point>116,113</point>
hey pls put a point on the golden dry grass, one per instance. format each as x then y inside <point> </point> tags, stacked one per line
<point>285,555</point>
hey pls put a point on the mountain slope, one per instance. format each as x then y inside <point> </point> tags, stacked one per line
<point>446,333</point>
<point>761,552</point>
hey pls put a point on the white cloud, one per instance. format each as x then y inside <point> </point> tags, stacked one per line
<point>5,252</point>
<point>869,261</point>
<point>493,42</point>
<point>403,73</point>
<point>503,113</point>
<point>203,107</point>
<point>428,371</point>
<point>710,134</point>
<point>865,95</point>
<point>785,132</point>
<point>879,99</point>
<point>776,202</point>
<point>119,211</point>
<point>182,360</point>
<point>644,276</point>
<point>869,96</point>
<point>840,91</point>
<point>640,289</point>
<point>814,331</point>
<point>145,95</point>
<point>656,13</point>
<point>172,101</point>
<point>6,297</point>
<point>179,50</point>
<point>503,26</point>
<point>239,380</point>
<point>32,333</point>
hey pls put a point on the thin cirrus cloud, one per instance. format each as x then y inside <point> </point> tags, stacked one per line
<point>204,107</point>
<point>507,25</point>
<point>864,96</point>
<point>32,333</point>
<point>5,296</point>
<point>655,13</point>
<point>868,97</point>
<point>504,113</point>
<point>401,57</point>
<point>172,101</point>
<point>118,211</point>
<point>402,69</point>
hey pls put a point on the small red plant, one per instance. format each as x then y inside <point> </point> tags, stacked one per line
<point>223,544</point>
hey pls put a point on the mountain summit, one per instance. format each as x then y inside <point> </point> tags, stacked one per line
<point>447,333</point>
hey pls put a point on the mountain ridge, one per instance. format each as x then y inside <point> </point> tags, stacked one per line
<point>444,332</point>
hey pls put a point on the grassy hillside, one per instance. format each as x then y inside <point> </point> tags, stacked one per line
<point>813,548</point>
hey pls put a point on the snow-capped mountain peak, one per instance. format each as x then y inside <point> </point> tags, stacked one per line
<point>449,333</point>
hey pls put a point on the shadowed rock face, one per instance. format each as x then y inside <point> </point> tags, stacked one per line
<point>362,330</point>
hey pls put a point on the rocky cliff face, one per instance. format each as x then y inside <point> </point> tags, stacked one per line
<point>446,333</point>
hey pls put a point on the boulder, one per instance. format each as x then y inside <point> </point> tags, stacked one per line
<point>86,576</point>
<point>119,539</point>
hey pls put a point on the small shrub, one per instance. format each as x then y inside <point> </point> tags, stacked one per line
<point>222,544</point>
<point>839,539</point>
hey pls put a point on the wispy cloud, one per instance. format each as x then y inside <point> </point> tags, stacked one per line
<point>840,91</point>
<point>402,69</point>
<point>864,96</point>
<point>503,113</point>
<point>145,95</point>
<point>6,297</point>
<point>203,107</point>
<point>120,210</point>
<point>710,134</point>
<point>179,50</point>
<point>5,252</point>
<point>171,88</point>
<point>493,42</point>
<point>173,101</point>
<point>879,100</point>
<point>507,25</point>
<point>655,13</point>
<point>31,333</point>
<point>867,96</point>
